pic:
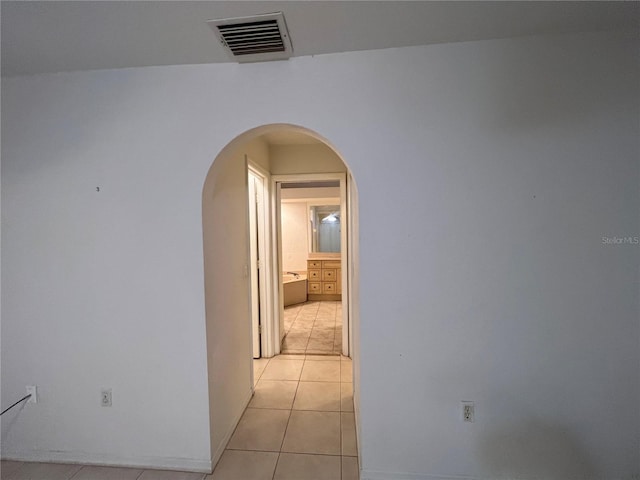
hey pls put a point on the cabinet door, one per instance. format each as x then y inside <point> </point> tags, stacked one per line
<point>329,287</point>
<point>315,287</point>
<point>328,275</point>
<point>314,275</point>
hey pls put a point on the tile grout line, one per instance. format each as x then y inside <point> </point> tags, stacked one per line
<point>288,420</point>
<point>341,424</point>
<point>260,377</point>
<point>81,467</point>
<point>290,453</point>
<point>275,469</point>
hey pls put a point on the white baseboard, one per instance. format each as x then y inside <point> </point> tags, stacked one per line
<point>153,463</point>
<point>378,475</point>
<point>223,443</point>
<point>84,458</point>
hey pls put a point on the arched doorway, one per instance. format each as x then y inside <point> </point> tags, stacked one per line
<point>227,278</point>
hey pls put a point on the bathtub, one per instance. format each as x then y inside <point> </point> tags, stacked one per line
<point>294,289</point>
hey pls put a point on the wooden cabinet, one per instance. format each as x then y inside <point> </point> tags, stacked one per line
<point>324,279</point>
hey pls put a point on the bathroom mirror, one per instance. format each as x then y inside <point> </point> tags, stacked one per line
<point>325,228</point>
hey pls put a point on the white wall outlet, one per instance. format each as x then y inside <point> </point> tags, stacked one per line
<point>105,397</point>
<point>468,412</point>
<point>33,391</point>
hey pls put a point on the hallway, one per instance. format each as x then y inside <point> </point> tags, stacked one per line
<point>313,328</point>
<point>299,424</point>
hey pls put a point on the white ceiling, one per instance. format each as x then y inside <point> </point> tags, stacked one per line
<point>53,36</point>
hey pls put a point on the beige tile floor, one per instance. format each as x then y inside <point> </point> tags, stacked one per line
<point>298,426</point>
<point>313,328</point>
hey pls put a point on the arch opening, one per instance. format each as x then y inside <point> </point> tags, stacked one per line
<point>227,254</point>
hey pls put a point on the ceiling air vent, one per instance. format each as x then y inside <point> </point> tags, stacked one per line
<point>254,39</point>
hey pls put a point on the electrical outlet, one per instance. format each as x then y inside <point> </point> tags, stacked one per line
<point>468,412</point>
<point>105,399</point>
<point>33,391</point>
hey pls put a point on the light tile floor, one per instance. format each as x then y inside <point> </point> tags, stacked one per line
<point>313,327</point>
<point>298,426</point>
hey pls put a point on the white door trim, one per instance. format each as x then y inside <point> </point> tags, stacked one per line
<point>276,181</point>
<point>278,301</point>
<point>254,183</point>
<point>265,273</point>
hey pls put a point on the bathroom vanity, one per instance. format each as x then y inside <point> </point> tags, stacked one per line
<point>324,278</point>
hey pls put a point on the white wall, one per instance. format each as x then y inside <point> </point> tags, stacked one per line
<point>353,285</point>
<point>317,192</point>
<point>102,289</point>
<point>295,221</point>
<point>499,166</point>
<point>311,158</point>
<point>295,236</point>
<point>227,289</point>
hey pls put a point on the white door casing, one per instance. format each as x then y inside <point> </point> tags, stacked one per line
<point>276,181</point>
<point>254,264</point>
<point>263,287</point>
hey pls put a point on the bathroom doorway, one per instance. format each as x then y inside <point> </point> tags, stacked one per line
<point>312,226</point>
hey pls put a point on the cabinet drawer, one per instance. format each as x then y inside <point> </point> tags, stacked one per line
<point>328,275</point>
<point>329,287</point>
<point>314,274</point>
<point>314,263</point>
<point>331,264</point>
<point>315,287</point>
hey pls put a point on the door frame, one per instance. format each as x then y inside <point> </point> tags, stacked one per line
<point>254,183</point>
<point>278,299</point>
<point>265,272</point>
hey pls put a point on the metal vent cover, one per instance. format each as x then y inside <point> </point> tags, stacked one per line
<point>258,38</point>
